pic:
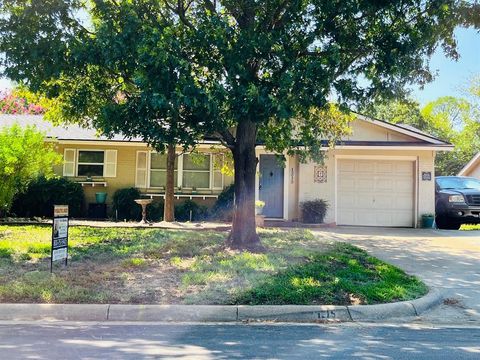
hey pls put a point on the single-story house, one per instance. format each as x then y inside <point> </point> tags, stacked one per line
<point>382,174</point>
<point>472,168</point>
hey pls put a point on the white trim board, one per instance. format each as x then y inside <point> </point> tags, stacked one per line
<point>467,167</point>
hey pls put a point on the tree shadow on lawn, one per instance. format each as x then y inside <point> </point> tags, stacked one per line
<point>172,266</point>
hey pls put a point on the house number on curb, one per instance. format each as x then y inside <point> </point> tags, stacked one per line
<point>59,235</point>
<point>329,314</point>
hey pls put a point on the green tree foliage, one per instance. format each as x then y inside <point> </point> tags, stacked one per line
<point>23,157</point>
<point>174,71</point>
<point>451,119</point>
<point>458,122</point>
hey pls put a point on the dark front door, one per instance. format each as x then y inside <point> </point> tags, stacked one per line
<point>271,186</point>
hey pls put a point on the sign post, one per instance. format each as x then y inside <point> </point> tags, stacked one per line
<point>59,235</point>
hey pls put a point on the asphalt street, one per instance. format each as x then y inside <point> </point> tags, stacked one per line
<point>217,341</point>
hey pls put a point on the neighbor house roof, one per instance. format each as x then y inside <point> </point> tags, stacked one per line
<point>471,165</point>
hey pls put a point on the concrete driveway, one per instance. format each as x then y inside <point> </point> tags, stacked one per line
<point>447,260</point>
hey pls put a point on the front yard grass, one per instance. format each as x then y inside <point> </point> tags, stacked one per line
<point>470,227</point>
<point>124,265</point>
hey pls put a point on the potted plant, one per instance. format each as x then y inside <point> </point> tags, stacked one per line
<point>428,220</point>
<point>259,218</point>
<point>259,205</point>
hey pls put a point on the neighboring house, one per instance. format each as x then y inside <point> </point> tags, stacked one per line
<point>472,168</point>
<point>381,175</point>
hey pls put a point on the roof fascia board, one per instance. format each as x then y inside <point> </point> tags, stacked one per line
<point>203,144</point>
<point>467,167</point>
<point>386,147</point>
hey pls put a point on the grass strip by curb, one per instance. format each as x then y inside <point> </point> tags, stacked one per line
<point>344,275</point>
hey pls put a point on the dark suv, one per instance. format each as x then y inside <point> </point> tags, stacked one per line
<point>457,201</point>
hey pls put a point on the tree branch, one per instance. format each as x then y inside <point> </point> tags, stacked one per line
<point>226,138</point>
<point>210,6</point>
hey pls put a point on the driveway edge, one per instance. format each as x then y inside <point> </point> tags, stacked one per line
<point>219,313</point>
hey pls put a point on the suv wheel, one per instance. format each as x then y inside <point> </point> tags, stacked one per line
<point>446,224</point>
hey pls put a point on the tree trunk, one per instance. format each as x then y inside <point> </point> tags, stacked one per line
<point>168,207</point>
<point>244,234</point>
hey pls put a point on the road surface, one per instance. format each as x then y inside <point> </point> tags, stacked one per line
<point>217,341</point>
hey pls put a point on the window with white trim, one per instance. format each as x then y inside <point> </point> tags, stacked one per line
<point>158,170</point>
<point>196,171</point>
<point>90,162</point>
<point>69,162</point>
<point>217,176</point>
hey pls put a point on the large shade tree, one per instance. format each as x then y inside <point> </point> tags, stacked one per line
<point>242,70</point>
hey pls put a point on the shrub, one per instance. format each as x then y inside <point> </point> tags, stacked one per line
<point>313,211</point>
<point>182,211</point>
<point>43,193</point>
<point>155,211</point>
<point>223,207</point>
<point>24,156</point>
<point>124,205</point>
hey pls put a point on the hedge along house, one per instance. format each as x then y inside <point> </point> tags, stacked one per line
<point>381,175</point>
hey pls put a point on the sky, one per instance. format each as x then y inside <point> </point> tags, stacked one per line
<point>452,76</point>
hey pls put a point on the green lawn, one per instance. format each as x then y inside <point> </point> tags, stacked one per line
<point>469,227</point>
<point>121,265</point>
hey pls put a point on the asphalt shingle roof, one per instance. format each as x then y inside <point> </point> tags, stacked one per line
<point>61,132</point>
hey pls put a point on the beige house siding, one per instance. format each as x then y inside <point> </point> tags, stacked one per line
<point>425,190</point>
<point>293,183</point>
<point>475,172</point>
<point>364,131</point>
<point>126,171</point>
<point>299,183</point>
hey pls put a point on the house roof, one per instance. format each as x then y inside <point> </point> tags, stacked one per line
<point>471,164</point>
<point>60,132</point>
<point>74,132</point>
<point>404,129</point>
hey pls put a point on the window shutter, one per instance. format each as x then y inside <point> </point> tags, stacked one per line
<point>69,162</point>
<point>141,170</point>
<point>110,165</point>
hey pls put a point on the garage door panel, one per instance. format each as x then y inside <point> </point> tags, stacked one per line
<point>364,184</point>
<point>385,167</point>
<point>346,183</point>
<point>404,203</point>
<point>346,201</point>
<point>346,165</point>
<point>404,167</point>
<point>386,202</point>
<point>364,166</point>
<point>385,184</point>
<point>375,193</point>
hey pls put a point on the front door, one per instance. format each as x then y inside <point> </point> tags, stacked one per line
<point>271,186</point>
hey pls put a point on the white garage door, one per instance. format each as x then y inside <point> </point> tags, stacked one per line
<point>375,193</point>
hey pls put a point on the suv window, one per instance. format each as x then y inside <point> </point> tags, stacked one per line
<point>458,183</point>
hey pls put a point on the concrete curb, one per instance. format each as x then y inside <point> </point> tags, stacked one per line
<point>67,312</point>
<point>219,313</point>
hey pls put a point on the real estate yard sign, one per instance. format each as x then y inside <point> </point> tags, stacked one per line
<point>59,234</point>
